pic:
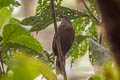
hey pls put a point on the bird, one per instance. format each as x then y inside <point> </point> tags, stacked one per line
<point>66,33</point>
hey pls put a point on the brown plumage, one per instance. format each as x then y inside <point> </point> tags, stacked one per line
<point>66,34</point>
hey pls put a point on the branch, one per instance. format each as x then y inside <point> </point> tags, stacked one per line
<point>98,22</point>
<point>100,35</point>
<point>57,41</point>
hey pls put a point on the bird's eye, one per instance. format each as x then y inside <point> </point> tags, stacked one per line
<point>66,17</point>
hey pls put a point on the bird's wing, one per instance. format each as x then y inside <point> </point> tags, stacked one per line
<point>54,47</point>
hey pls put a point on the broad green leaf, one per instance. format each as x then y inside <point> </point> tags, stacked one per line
<point>15,34</point>
<point>111,71</point>
<point>5,3</point>
<point>5,16</point>
<point>95,77</point>
<point>14,20</point>
<point>27,68</point>
<point>99,53</point>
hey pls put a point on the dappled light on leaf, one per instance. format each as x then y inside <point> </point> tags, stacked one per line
<point>43,17</point>
<point>27,68</point>
<point>5,16</point>
<point>16,34</point>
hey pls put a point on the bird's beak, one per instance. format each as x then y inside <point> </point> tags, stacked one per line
<point>61,15</point>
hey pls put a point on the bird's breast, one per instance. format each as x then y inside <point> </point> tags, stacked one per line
<point>66,34</point>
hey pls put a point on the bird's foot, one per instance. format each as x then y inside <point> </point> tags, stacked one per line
<point>56,35</point>
<point>62,58</point>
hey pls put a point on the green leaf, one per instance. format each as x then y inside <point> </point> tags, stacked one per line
<point>14,33</point>
<point>92,5</point>
<point>45,2</point>
<point>16,3</point>
<point>80,38</point>
<point>27,68</point>
<point>99,53</point>
<point>92,31</point>
<point>83,25</point>
<point>111,71</point>
<point>5,16</point>
<point>5,3</point>
<point>95,77</point>
<point>14,20</point>
<point>43,17</point>
<point>74,51</point>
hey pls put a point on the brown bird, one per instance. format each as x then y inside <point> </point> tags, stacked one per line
<point>66,34</point>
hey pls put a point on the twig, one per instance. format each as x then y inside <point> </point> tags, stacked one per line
<point>2,65</point>
<point>100,38</point>
<point>57,41</point>
<point>98,22</point>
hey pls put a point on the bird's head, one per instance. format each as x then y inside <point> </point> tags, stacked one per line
<point>65,19</point>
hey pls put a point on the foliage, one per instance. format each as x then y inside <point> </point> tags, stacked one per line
<point>5,3</point>
<point>95,77</point>
<point>16,41</point>
<point>84,28</point>
<point>43,17</point>
<point>99,54</point>
<point>5,16</point>
<point>14,37</point>
<point>39,22</point>
<point>111,71</point>
<point>74,51</point>
<point>27,68</point>
<point>14,20</point>
<point>15,34</point>
<point>93,7</point>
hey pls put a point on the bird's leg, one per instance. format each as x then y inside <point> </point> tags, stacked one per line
<point>62,58</point>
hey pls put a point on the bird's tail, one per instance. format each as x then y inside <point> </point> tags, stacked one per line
<point>58,66</point>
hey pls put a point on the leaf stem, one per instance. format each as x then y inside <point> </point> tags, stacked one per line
<point>97,21</point>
